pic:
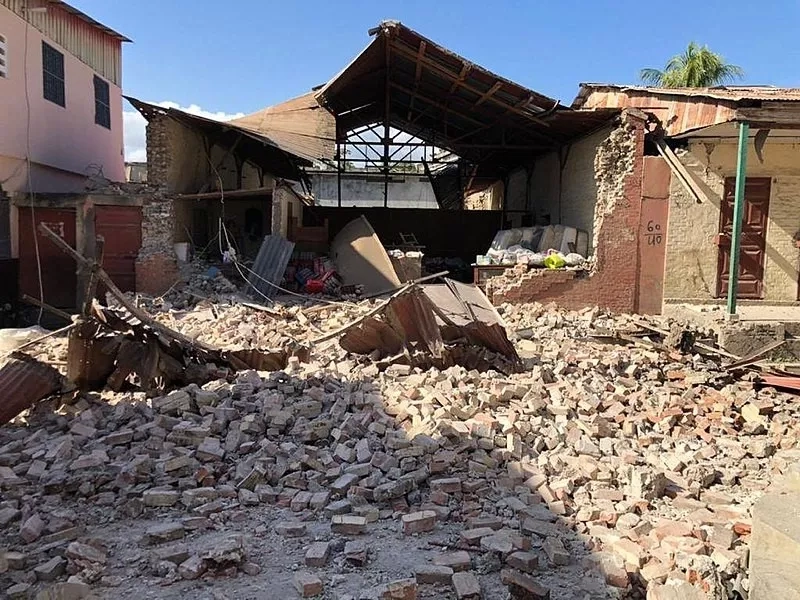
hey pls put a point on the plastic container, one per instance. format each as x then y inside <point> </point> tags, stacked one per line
<point>182,251</point>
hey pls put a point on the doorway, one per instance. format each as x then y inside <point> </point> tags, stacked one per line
<point>753,241</point>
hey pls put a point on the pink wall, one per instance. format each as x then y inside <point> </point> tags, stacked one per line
<point>64,142</point>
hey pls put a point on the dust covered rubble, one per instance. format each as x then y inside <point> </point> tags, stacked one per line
<point>602,471</point>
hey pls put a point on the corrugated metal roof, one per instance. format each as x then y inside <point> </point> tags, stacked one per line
<point>270,265</point>
<point>300,125</point>
<point>23,382</point>
<point>91,42</point>
<point>735,93</point>
<point>279,160</point>
<point>84,17</point>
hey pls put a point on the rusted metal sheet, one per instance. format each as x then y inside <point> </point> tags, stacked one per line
<point>59,278</point>
<point>678,110</point>
<point>300,125</point>
<point>449,324</point>
<point>270,265</point>
<point>121,228</point>
<point>23,382</point>
<point>90,356</point>
<point>412,315</point>
<point>781,381</point>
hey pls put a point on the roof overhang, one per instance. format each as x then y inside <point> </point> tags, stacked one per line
<point>443,99</point>
<point>86,18</point>
<point>259,149</point>
<point>299,125</point>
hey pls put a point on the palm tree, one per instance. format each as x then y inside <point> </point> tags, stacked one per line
<point>697,66</point>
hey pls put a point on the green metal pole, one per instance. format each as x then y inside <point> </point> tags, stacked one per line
<point>738,212</point>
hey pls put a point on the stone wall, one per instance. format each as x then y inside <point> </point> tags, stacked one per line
<point>612,282</point>
<point>692,254</point>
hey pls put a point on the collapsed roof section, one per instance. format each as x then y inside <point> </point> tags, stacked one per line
<point>275,156</point>
<point>413,84</point>
<point>299,125</point>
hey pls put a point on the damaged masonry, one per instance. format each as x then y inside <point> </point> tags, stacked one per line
<point>621,456</point>
<point>387,341</point>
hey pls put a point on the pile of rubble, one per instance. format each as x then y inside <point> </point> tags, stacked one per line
<point>599,471</point>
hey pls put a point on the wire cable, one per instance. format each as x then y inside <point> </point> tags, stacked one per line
<point>30,166</point>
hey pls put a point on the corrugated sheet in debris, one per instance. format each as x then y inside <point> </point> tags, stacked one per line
<point>412,314</point>
<point>23,382</point>
<point>270,265</point>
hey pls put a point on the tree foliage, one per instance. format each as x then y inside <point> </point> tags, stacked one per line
<point>697,66</point>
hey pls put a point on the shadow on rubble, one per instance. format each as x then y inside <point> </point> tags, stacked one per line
<point>440,451</point>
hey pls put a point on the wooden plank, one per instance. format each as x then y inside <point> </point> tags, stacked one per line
<point>122,299</point>
<point>491,92</point>
<point>784,117</point>
<point>680,171</point>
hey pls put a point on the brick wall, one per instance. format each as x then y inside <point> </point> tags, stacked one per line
<point>612,283</point>
<point>159,157</point>
<point>156,263</point>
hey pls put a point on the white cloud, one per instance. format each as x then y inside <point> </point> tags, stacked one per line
<point>134,127</point>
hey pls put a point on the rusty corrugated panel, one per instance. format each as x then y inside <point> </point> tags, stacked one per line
<point>426,318</point>
<point>412,315</point>
<point>23,382</point>
<point>590,92</point>
<point>300,125</point>
<point>781,381</point>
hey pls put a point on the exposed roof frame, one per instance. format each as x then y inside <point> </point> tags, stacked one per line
<point>409,82</point>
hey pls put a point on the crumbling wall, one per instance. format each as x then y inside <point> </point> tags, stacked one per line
<point>176,156</point>
<point>156,263</point>
<point>692,254</point>
<point>613,162</point>
<point>612,282</point>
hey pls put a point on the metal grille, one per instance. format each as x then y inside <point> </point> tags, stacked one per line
<point>53,74</point>
<point>102,103</point>
<point>3,57</point>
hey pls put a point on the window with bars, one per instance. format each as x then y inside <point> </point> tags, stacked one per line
<point>53,74</point>
<point>102,103</point>
<point>3,56</point>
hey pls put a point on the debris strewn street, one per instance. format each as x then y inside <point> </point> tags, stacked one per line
<point>614,463</point>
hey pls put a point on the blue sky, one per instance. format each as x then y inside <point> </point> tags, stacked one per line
<point>242,55</point>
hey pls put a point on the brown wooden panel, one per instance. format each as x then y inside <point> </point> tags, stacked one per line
<point>753,241</point>
<point>121,227</point>
<point>59,279</point>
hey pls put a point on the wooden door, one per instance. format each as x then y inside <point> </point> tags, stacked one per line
<point>754,237</point>
<point>59,279</point>
<point>121,228</point>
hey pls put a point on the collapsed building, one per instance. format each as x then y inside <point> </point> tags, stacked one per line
<point>426,444</point>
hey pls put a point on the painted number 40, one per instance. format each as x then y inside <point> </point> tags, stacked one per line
<point>653,235</point>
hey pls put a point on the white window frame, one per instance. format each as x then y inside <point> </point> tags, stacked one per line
<point>3,57</point>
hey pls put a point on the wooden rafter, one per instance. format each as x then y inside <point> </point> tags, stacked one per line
<point>491,92</point>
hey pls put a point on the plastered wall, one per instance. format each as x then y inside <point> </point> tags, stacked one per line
<point>567,196</point>
<point>64,143</point>
<point>691,268</point>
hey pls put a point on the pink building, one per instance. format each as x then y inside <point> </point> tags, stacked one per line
<point>61,117</point>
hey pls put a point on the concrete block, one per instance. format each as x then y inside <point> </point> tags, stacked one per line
<point>775,548</point>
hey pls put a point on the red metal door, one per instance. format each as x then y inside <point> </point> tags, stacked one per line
<point>59,279</point>
<point>121,227</point>
<point>754,237</point>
